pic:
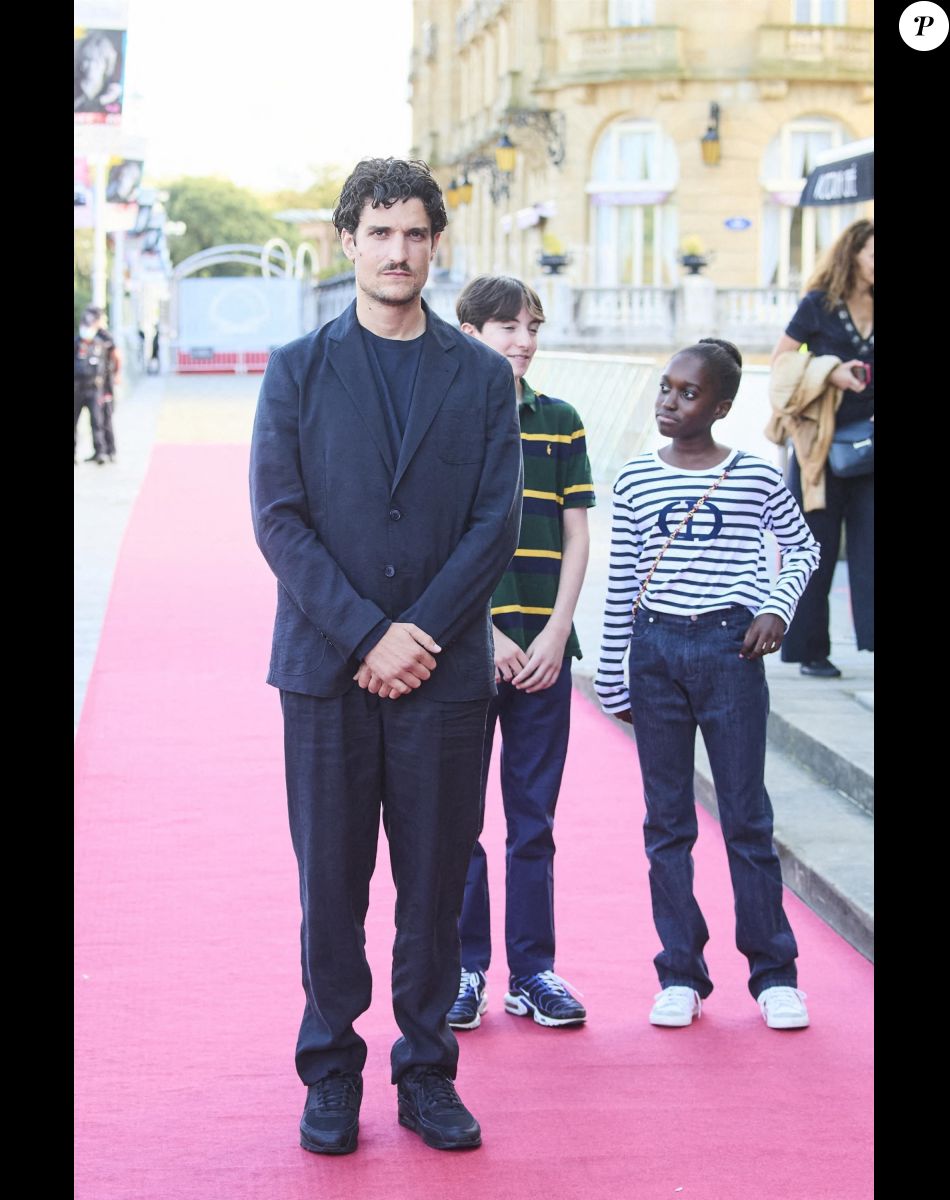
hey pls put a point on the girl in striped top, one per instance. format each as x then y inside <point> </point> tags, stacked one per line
<point>690,595</point>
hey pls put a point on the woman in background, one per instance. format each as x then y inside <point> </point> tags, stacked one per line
<point>835,320</point>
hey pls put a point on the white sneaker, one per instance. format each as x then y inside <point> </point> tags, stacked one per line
<point>675,1006</point>
<point>783,1008</point>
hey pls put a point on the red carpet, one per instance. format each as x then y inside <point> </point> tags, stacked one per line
<point>187,984</point>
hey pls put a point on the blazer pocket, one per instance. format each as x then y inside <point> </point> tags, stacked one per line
<point>298,647</point>
<point>461,435</point>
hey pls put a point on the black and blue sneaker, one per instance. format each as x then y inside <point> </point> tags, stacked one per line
<point>471,1002</point>
<point>546,998</point>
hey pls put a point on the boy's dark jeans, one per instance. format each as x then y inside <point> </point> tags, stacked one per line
<point>535,727</point>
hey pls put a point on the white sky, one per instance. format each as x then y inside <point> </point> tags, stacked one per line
<point>259,91</point>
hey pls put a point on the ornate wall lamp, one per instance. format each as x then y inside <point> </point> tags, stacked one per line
<point>501,165</point>
<point>549,123</point>
<point>459,193</point>
<point>505,155</point>
<point>709,143</point>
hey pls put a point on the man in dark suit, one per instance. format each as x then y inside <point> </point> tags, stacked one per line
<point>386,476</point>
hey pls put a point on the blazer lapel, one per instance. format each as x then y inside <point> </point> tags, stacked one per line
<point>347,354</point>
<point>437,368</point>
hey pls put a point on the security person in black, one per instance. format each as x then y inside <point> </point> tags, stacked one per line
<point>95,370</point>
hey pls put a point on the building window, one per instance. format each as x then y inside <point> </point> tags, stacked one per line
<point>631,12</point>
<point>793,237</point>
<point>632,223</point>
<point>819,12</point>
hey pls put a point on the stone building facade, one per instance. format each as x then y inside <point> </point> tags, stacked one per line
<point>607,103</point>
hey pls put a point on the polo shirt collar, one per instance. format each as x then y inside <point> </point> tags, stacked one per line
<point>529,397</point>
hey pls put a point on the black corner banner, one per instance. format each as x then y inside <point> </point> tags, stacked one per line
<point>847,181</point>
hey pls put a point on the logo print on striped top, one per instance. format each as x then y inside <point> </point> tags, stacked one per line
<point>692,532</point>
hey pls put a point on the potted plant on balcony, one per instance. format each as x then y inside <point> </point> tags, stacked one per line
<point>553,257</point>
<point>693,255</point>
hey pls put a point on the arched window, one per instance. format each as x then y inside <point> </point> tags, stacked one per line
<point>633,227</point>
<point>792,237</point>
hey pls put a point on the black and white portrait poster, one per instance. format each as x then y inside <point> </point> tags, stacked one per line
<point>98,75</point>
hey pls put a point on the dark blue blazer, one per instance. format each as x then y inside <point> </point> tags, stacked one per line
<point>355,538</point>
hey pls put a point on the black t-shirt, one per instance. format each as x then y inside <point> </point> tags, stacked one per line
<point>835,333</point>
<point>395,365</point>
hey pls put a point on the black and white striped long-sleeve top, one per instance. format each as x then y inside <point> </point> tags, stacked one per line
<point>718,559</point>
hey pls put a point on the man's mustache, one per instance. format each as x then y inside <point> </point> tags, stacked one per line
<point>403,266</point>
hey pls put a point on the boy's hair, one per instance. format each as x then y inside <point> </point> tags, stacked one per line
<point>385,181</point>
<point>723,359</point>
<point>496,298</point>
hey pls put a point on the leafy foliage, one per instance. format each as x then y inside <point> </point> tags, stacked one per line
<point>217,212</point>
<point>82,273</point>
<point>322,193</point>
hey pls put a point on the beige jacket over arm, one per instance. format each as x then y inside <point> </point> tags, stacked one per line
<point>804,404</point>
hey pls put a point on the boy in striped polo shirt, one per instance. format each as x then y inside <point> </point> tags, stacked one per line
<point>532,615</point>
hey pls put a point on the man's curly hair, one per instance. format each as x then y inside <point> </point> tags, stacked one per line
<point>385,181</point>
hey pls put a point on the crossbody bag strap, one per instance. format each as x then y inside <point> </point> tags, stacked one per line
<point>682,525</point>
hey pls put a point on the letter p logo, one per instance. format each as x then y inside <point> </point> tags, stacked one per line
<point>924,26</point>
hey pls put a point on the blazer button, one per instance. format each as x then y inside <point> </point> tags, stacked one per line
<point>395,514</point>
<point>389,572</point>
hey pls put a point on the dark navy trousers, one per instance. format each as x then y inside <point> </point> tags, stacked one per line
<point>534,733</point>
<point>419,763</point>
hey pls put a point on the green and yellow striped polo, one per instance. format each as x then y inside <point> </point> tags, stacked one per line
<point>557,475</point>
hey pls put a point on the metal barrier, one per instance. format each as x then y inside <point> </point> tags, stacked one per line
<point>222,362</point>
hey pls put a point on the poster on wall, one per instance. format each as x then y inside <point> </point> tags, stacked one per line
<point>125,175</point>
<point>98,75</point>
<point>116,214</point>
<point>82,183</point>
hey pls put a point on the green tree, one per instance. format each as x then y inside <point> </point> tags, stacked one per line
<point>217,212</point>
<point>82,273</point>
<point>322,193</point>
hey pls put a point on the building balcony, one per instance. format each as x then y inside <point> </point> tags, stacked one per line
<point>616,318</point>
<point>628,52</point>
<point>816,52</point>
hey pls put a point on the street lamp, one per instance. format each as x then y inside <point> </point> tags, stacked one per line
<point>709,143</point>
<point>505,154</point>
<point>465,190</point>
<point>549,123</point>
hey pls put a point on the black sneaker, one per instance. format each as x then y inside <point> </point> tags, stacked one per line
<point>545,997</point>
<point>472,1000</point>
<point>823,667</point>
<point>331,1116</point>
<point>430,1105</point>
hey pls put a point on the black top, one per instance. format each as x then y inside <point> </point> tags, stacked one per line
<point>834,332</point>
<point>394,364</point>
